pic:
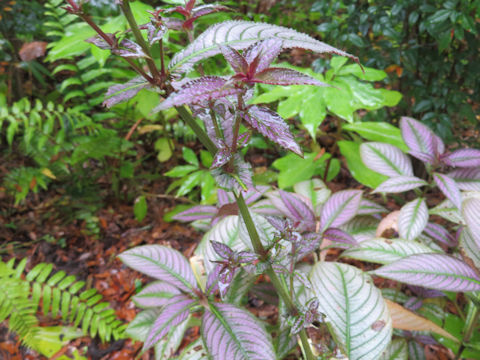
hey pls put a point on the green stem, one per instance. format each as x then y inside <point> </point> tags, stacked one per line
<point>125,5</point>
<point>260,250</point>
<point>201,134</point>
<point>472,318</point>
<point>215,122</point>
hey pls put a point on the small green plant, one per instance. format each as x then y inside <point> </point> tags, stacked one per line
<point>25,294</point>
<point>350,89</point>
<point>195,174</point>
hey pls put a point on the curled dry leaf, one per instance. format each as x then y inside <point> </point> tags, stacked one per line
<point>389,222</point>
<point>404,319</point>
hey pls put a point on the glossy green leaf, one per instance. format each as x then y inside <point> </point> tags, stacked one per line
<point>378,131</point>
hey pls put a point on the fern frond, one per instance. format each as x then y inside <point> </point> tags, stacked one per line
<point>15,305</point>
<point>57,295</point>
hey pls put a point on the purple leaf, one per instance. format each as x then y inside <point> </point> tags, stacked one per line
<point>238,178</point>
<point>285,77</point>
<point>297,210</point>
<point>340,208</point>
<point>231,333</point>
<point>400,184</point>
<point>99,42</point>
<point>426,158</point>
<point>174,313</point>
<point>119,93</point>
<point>155,33</point>
<point>440,234</point>
<point>199,212</point>
<point>278,223</point>
<point>413,303</point>
<point>471,215</point>
<point>203,10</point>
<point>131,50</point>
<point>222,250</point>
<point>156,294</point>
<point>253,194</point>
<point>420,139</point>
<point>386,159</point>
<point>449,188</point>
<point>240,35</point>
<point>436,271</point>
<point>297,325</point>
<point>339,236</point>
<point>222,156</point>
<point>424,292</point>
<point>272,126</point>
<point>224,197</point>
<point>197,91</point>
<point>466,178</point>
<point>246,257</point>
<point>412,219</point>
<point>235,59</point>
<point>464,158</point>
<point>260,55</point>
<point>163,263</point>
<point>212,279</point>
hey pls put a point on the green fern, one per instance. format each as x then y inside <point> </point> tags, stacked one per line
<point>56,295</point>
<point>87,79</point>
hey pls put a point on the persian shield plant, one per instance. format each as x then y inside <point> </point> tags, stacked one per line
<point>259,233</point>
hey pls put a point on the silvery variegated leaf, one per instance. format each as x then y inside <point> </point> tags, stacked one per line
<point>397,350</point>
<point>232,333</point>
<point>340,208</point>
<point>420,139</point>
<point>416,351</point>
<point>467,178</point>
<point>240,35</point>
<point>369,207</point>
<point>440,234</point>
<point>471,215</point>
<point>386,159</point>
<point>465,158</point>
<point>139,327</point>
<point>449,188</point>
<point>194,351</point>
<point>162,263</point>
<point>155,294</point>
<point>171,316</point>
<point>400,184</point>
<point>470,248</point>
<point>385,251</point>
<point>434,271</point>
<point>164,349</point>
<point>354,307</point>
<point>412,219</point>
<point>265,231</point>
<point>199,212</point>
<point>448,211</point>
<point>362,228</point>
